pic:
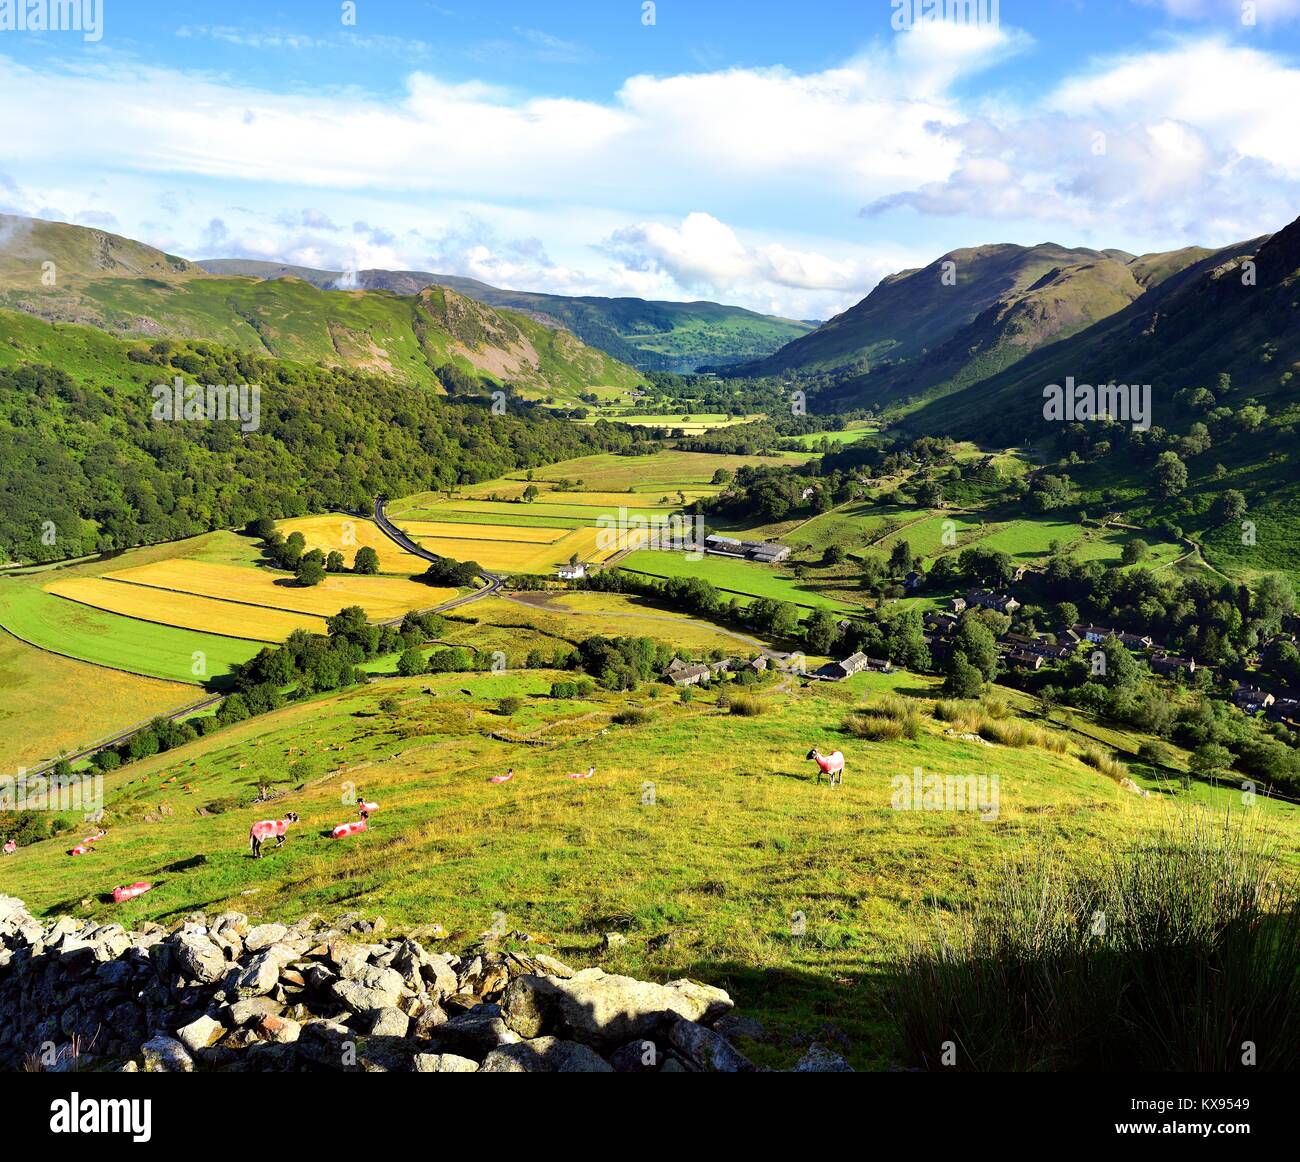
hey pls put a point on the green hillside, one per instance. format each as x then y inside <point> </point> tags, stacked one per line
<point>131,290</point>
<point>651,335</point>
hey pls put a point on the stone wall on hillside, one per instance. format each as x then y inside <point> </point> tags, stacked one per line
<point>223,994</point>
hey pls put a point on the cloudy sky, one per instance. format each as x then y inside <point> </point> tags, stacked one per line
<point>778,155</point>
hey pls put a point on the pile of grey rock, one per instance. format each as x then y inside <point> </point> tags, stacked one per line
<point>224,994</point>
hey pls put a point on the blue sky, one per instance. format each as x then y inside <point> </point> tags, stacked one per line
<point>784,156</point>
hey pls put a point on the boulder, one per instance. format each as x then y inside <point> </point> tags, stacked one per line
<point>474,1033</point>
<point>819,1059</point>
<point>712,1052</point>
<point>601,1009</point>
<point>390,1023</point>
<point>200,1034</point>
<point>198,958</point>
<point>369,989</point>
<point>443,1063</point>
<point>263,936</point>
<point>166,1055</point>
<point>545,1055</point>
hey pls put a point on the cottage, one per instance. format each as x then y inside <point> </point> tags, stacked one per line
<point>1167,664</point>
<point>986,599</point>
<point>838,671</point>
<point>688,675</point>
<point>571,572</point>
<point>912,582</point>
<point>1093,633</point>
<point>880,665</point>
<point>1022,659</point>
<point>1135,641</point>
<point>1252,699</point>
<point>959,605</point>
<point>757,665</point>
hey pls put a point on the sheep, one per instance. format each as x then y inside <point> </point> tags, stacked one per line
<point>831,765</point>
<point>266,828</point>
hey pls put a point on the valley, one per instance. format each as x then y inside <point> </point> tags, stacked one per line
<point>427,572</point>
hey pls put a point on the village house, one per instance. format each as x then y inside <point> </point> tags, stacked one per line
<point>1168,664</point>
<point>986,599</point>
<point>757,665</point>
<point>944,624</point>
<point>1093,633</point>
<point>1023,659</point>
<point>838,671</point>
<point>571,572</point>
<point>687,675</point>
<point>1135,641</point>
<point>1252,699</point>
<point>912,582</point>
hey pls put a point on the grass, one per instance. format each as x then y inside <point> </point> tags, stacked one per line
<point>119,643</point>
<point>742,578</point>
<point>545,621</point>
<point>54,705</point>
<point>1171,953</point>
<point>703,875</point>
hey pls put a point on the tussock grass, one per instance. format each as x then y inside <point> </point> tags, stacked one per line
<point>1099,760</point>
<point>1165,956</point>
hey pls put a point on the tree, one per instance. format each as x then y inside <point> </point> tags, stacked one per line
<point>411,663</point>
<point>1228,507</point>
<point>366,561</point>
<point>978,647</point>
<point>310,569</point>
<point>1171,474</point>
<point>1065,615</point>
<point>1209,759</point>
<point>900,558</point>
<point>334,562</point>
<point>963,680</point>
<point>531,493</point>
<point>1134,551</point>
<point>722,476</point>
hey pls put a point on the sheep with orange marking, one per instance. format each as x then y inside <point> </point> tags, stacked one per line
<point>266,829</point>
<point>831,765</point>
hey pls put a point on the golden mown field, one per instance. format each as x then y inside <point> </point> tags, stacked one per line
<point>336,531</point>
<point>380,597</point>
<point>185,610</point>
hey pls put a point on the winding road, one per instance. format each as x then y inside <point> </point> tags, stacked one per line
<point>494,583</point>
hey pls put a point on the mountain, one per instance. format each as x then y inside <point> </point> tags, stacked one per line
<point>651,335</point>
<point>1185,331</point>
<point>129,289</point>
<point>85,449</point>
<point>922,334</point>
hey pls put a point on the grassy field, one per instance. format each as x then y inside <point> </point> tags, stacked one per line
<point>702,838</point>
<point>741,578</point>
<point>52,704</point>
<point>120,643</point>
<point>380,597</point>
<point>689,423</point>
<point>547,620</point>
<point>850,435</point>
<point>661,472</point>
